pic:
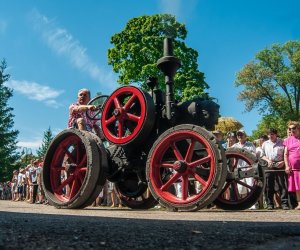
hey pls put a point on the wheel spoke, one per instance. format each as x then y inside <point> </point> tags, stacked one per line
<point>64,183</point>
<point>185,187</point>
<point>117,103</point>
<point>200,161</point>
<point>110,120</point>
<point>132,117</point>
<point>96,113</point>
<point>236,190</point>
<point>129,102</point>
<point>74,188</point>
<point>166,165</point>
<point>225,188</point>
<point>199,178</point>
<point>174,178</point>
<point>190,151</point>
<point>244,184</point>
<point>176,151</point>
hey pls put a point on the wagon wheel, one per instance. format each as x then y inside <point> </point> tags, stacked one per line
<point>71,169</point>
<point>186,168</point>
<point>239,194</point>
<point>128,116</point>
<point>98,101</point>
<point>133,192</point>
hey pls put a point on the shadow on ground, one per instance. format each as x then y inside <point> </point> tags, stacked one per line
<point>41,231</point>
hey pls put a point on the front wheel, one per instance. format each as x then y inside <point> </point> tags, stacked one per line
<point>71,169</point>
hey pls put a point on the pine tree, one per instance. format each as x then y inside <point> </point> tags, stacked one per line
<point>48,137</point>
<point>8,136</point>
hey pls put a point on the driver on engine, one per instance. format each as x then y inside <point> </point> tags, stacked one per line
<point>77,113</point>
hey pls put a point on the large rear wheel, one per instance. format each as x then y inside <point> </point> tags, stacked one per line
<point>186,168</point>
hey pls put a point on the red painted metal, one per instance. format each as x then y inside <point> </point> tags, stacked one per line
<point>123,115</point>
<point>69,161</point>
<point>188,161</point>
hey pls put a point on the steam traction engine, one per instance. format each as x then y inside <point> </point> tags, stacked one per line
<point>154,150</point>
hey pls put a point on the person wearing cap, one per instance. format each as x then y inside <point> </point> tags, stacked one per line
<point>230,140</point>
<point>273,153</point>
<point>243,143</point>
<point>77,112</point>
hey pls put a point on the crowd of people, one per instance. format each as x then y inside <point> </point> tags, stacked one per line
<point>282,174</point>
<point>25,185</point>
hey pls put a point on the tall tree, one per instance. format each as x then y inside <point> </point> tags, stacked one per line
<point>8,136</point>
<point>272,81</point>
<point>48,137</point>
<point>138,47</point>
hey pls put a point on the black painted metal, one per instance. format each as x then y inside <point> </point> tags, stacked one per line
<point>169,64</point>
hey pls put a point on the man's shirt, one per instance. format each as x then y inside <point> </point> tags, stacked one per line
<point>273,150</point>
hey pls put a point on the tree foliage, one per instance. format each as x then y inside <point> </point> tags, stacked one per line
<point>272,82</point>
<point>48,137</point>
<point>138,47</point>
<point>228,124</point>
<point>270,121</point>
<point>8,135</point>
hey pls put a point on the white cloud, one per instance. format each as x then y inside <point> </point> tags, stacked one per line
<point>64,44</point>
<point>3,26</point>
<point>35,91</point>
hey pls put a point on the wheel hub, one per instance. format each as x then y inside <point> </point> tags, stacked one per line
<point>117,112</point>
<point>180,166</point>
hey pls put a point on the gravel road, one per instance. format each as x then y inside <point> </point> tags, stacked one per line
<point>26,226</point>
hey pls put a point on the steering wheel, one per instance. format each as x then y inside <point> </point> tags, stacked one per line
<point>98,101</point>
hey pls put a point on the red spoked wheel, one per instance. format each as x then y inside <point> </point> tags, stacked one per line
<point>240,193</point>
<point>71,169</point>
<point>185,168</point>
<point>128,116</point>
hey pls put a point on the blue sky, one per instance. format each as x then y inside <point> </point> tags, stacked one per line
<point>53,48</point>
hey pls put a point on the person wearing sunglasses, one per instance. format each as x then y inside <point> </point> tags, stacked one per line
<point>77,112</point>
<point>292,159</point>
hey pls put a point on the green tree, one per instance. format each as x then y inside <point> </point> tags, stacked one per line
<point>272,82</point>
<point>8,136</point>
<point>138,47</point>
<point>270,121</point>
<point>48,137</point>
